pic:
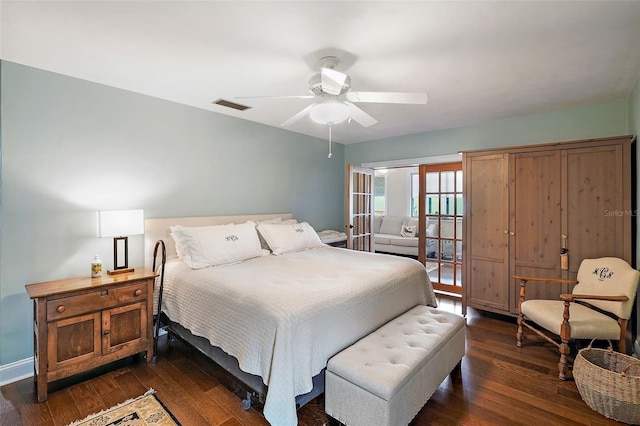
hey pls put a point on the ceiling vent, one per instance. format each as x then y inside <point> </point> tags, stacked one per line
<point>229,104</point>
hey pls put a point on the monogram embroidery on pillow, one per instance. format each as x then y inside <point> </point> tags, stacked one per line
<point>231,238</point>
<point>603,273</point>
<point>299,230</point>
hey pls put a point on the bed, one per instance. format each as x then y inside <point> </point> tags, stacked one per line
<point>274,320</point>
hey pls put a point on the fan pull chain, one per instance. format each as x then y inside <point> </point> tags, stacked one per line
<point>329,156</point>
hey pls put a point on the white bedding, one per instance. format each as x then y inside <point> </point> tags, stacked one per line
<point>284,316</point>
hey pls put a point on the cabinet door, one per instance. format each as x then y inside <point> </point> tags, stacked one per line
<point>535,225</point>
<point>486,231</point>
<point>124,328</point>
<point>73,341</point>
<point>597,204</point>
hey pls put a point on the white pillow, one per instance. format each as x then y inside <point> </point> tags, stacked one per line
<point>288,238</point>
<point>263,243</point>
<point>391,225</point>
<point>274,220</point>
<point>408,231</point>
<point>178,243</point>
<point>203,246</point>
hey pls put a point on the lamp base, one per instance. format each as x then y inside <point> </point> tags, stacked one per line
<point>120,271</point>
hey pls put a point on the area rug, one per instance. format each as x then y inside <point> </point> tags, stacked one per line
<point>145,410</point>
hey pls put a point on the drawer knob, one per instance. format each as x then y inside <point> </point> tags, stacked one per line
<point>138,292</point>
<point>106,332</point>
<point>61,309</point>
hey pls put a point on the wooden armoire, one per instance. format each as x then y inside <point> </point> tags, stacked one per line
<point>525,204</point>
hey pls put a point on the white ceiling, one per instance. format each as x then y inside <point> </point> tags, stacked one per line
<point>476,60</point>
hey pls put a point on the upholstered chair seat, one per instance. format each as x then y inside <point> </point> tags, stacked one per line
<point>585,322</point>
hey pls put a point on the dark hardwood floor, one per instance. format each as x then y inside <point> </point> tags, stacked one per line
<point>498,384</point>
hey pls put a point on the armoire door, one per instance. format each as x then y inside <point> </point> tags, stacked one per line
<point>486,248</point>
<point>598,203</point>
<point>535,223</point>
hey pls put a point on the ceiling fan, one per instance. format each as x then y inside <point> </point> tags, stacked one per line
<point>335,101</point>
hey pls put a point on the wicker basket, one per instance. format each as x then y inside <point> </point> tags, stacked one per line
<point>609,383</point>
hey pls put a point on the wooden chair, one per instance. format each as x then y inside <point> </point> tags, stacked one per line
<point>598,307</point>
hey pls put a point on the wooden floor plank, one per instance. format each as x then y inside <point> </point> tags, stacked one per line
<point>109,391</point>
<point>87,399</point>
<point>230,402</point>
<point>62,407</point>
<point>185,379</point>
<point>498,384</point>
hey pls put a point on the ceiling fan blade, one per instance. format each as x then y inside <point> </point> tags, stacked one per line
<point>276,97</point>
<point>332,81</point>
<point>364,119</point>
<point>298,116</point>
<point>388,97</point>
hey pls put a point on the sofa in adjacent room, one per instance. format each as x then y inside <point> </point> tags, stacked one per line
<point>389,238</point>
<point>398,235</point>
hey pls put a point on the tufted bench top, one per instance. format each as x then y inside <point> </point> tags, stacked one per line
<point>383,361</point>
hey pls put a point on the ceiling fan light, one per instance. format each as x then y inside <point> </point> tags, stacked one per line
<point>332,112</point>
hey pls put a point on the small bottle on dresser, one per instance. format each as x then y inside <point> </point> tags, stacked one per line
<point>96,267</point>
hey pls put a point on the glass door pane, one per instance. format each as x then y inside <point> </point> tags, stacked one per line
<point>443,207</point>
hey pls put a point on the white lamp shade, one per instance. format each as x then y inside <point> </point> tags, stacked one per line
<point>120,223</point>
<point>330,112</point>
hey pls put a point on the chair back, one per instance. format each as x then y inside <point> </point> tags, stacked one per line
<point>608,276</point>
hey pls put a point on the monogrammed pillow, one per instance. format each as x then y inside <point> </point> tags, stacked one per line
<point>291,237</point>
<point>202,246</point>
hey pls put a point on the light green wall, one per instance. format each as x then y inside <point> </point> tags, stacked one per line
<point>634,128</point>
<point>591,121</point>
<point>634,108</point>
<point>72,147</point>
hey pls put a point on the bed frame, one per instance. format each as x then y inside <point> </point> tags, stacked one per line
<point>158,230</point>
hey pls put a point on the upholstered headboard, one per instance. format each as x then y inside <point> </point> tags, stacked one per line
<point>158,229</point>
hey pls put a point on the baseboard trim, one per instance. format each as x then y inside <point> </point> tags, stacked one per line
<point>15,371</point>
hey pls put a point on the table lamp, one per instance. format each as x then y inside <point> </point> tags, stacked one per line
<point>119,224</point>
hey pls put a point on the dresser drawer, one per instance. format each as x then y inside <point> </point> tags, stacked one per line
<point>70,306</point>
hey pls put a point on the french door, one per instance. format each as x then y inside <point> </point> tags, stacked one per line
<point>359,203</point>
<point>440,224</point>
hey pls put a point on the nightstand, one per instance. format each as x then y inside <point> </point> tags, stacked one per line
<point>83,323</point>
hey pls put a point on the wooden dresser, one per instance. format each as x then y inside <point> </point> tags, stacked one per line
<point>82,323</point>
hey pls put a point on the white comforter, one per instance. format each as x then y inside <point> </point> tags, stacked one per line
<point>284,316</point>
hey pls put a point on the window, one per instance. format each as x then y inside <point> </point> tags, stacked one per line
<point>415,194</point>
<point>379,195</point>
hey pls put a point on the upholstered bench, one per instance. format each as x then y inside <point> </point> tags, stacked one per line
<point>386,377</point>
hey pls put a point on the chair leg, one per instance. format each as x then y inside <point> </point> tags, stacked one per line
<point>519,335</point>
<point>622,342</point>
<point>565,336</point>
<point>563,368</point>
